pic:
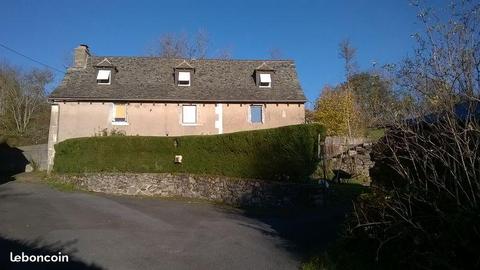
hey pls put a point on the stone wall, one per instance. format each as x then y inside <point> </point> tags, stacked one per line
<point>336,145</point>
<point>233,191</point>
<point>347,158</point>
<point>355,162</point>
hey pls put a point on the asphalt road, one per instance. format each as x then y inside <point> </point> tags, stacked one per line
<point>111,232</point>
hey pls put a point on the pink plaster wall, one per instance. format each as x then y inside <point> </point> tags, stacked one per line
<point>86,119</point>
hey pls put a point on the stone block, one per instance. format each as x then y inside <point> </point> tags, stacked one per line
<point>28,168</point>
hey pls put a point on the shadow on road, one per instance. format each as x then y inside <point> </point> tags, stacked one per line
<point>12,162</point>
<point>303,231</point>
<point>16,247</point>
<point>5,192</point>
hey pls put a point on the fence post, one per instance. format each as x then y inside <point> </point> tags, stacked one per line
<point>319,143</point>
<point>322,155</point>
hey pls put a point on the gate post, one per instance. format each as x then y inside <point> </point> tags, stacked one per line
<point>52,136</point>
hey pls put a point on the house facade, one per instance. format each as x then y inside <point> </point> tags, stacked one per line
<point>151,96</point>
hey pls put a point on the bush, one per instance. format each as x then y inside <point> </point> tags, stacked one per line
<point>415,219</point>
<point>286,153</point>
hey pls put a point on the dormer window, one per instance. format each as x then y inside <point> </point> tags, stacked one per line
<point>104,76</point>
<point>183,78</point>
<point>263,75</point>
<point>265,80</point>
<point>183,74</point>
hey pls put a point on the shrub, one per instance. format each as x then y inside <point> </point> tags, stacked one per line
<point>422,212</point>
<point>286,153</point>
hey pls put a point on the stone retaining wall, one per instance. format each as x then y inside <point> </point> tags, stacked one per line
<point>233,191</point>
<point>346,158</point>
<point>355,161</point>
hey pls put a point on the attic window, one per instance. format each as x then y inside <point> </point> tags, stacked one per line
<point>184,78</point>
<point>104,76</point>
<point>265,80</point>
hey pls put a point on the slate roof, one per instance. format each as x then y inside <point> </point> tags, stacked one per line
<point>152,79</point>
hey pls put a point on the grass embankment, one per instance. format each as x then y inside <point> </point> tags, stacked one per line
<point>286,153</point>
<point>40,177</point>
<point>374,134</point>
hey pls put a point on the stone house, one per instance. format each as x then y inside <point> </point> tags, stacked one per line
<point>154,96</point>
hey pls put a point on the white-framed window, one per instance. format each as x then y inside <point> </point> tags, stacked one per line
<point>104,76</point>
<point>256,114</point>
<point>265,80</point>
<point>119,114</point>
<point>183,78</point>
<point>189,114</point>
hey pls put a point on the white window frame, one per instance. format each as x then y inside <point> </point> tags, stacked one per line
<point>262,120</point>
<point>183,115</point>
<point>109,76</point>
<point>119,123</point>
<point>269,80</point>
<point>189,78</point>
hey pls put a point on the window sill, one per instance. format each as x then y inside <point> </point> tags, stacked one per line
<point>190,125</point>
<point>120,123</point>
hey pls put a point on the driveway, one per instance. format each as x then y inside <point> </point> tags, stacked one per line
<point>111,232</point>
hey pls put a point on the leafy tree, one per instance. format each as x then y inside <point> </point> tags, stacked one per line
<point>374,97</point>
<point>309,116</point>
<point>347,52</point>
<point>336,110</point>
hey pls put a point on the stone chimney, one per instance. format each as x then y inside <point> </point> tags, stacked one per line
<point>81,56</point>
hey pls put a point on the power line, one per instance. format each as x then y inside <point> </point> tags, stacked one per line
<point>31,59</point>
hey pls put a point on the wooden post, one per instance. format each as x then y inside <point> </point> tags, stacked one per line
<point>319,143</point>
<point>322,155</point>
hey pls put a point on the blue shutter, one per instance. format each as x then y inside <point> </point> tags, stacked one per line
<point>256,114</point>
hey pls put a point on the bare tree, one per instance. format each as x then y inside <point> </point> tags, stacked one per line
<point>8,80</point>
<point>347,52</point>
<point>428,180</point>
<point>67,59</point>
<point>23,94</point>
<point>224,53</point>
<point>275,54</point>
<point>199,48</point>
<point>172,45</point>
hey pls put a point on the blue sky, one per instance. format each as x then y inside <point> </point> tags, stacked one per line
<point>306,31</point>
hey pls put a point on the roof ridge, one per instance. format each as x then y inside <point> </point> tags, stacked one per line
<point>206,59</point>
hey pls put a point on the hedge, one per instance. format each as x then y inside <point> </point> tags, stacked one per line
<point>285,153</point>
